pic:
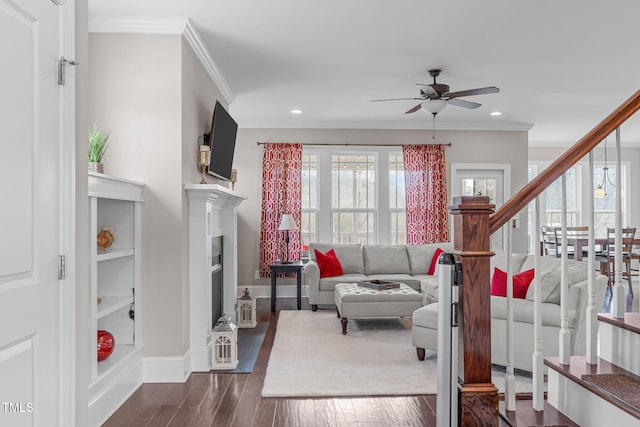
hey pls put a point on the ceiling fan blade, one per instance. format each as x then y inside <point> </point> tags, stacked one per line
<point>414,109</point>
<point>395,99</point>
<point>479,91</point>
<point>463,103</point>
<point>428,90</point>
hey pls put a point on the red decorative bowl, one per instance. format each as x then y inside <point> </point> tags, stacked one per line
<point>106,344</point>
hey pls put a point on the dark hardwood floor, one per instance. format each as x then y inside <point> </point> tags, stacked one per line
<point>221,399</point>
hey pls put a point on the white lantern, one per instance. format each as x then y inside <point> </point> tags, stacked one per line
<point>224,338</point>
<point>246,311</point>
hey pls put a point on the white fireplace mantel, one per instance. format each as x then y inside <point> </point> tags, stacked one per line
<point>213,212</point>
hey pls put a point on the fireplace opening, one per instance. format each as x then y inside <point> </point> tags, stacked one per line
<point>217,282</point>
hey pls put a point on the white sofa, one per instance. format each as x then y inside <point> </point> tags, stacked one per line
<point>408,264</point>
<point>577,298</point>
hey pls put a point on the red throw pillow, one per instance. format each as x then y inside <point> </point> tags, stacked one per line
<point>329,264</point>
<point>434,262</point>
<point>521,282</point>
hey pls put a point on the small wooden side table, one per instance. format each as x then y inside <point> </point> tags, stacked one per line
<point>293,267</point>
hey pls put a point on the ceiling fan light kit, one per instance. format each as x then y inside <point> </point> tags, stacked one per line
<point>433,107</point>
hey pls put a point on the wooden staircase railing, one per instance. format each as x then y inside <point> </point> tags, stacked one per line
<point>570,157</point>
<point>474,221</point>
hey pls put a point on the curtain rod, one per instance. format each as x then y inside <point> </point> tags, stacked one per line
<point>346,144</point>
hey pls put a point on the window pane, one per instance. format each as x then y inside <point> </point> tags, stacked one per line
<point>353,227</point>
<point>398,228</point>
<point>397,197</point>
<point>480,187</point>
<point>602,221</point>
<point>309,176</point>
<point>309,226</point>
<point>554,192</point>
<point>353,181</point>
<point>555,218</point>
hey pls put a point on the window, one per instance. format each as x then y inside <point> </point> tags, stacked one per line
<point>397,200</point>
<point>309,220</point>
<point>604,208</point>
<point>553,198</point>
<point>353,191</point>
<point>577,193</point>
<point>353,196</point>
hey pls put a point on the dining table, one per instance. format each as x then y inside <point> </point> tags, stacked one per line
<point>579,243</point>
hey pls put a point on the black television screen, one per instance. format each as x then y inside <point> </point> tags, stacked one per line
<point>222,140</point>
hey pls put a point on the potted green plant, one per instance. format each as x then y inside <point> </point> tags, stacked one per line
<point>98,143</point>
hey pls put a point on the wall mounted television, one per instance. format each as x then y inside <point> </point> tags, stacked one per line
<point>222,140</point>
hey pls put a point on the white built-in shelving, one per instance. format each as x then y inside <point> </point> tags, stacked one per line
<point>114,293</point>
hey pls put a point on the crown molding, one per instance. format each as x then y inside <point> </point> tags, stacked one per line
<point>183,26</point>
<point>518,127</point>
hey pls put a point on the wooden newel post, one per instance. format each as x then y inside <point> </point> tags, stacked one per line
<point>478,397</point>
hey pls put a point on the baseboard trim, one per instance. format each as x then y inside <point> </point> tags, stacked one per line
<point>282,291</point>
<point>172,369</point>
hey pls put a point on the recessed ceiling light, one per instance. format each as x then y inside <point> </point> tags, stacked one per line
<point>495,113</point>
<point>296,111</point>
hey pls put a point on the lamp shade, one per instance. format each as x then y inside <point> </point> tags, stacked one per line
<point>287,223</point>
<point>433,106</point>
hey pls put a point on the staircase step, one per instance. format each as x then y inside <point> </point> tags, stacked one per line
<point>610,383</point>
<point>620,340</point>
<point>619,386</point>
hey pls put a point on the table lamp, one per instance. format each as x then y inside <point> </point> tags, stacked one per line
<point>287,223</point>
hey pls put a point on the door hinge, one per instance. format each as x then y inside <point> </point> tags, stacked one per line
<point>62,267</point>
<point>61,67</point>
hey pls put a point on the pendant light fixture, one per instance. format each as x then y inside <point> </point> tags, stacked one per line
<point>601,191</point>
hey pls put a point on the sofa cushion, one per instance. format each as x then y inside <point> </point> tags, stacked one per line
<point>547,263</point>
<point>577,271</point>
<point>350,256</point>
<point>521,282</point>
<point>329,283</point>
<point>382,259</point>
<point>517,262</point>
<point>420,256</point>
<point>328,263</point>
<point>426,317</point>
<point>523,312</point>
<point>429,286</point>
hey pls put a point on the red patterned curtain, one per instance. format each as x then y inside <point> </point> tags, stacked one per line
<point>281,194</point>
<point>425,178</point>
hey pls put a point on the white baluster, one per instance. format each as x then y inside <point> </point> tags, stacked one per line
<point>618,302</point>
<point>538,356</point>
<point>565,334</point>
<point>592,311</point>
<point>510,380</point>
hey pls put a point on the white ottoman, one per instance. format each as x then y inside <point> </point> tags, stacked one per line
<point>424,332</point>
<point>360,302</point>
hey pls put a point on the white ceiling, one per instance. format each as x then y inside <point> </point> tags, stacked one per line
<point>561,65</point>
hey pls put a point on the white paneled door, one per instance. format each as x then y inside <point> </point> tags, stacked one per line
<point>29,217</point>
<point>492,180</point>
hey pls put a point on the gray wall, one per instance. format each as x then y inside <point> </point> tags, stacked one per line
<point>467,147</point>
<point>155,97</point>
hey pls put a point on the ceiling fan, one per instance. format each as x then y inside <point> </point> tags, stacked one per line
<point>440,92</point>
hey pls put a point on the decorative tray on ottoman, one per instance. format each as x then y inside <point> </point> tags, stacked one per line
<point>379,285</point>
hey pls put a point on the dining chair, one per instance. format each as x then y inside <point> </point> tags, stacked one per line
<point>577,232</point>
<point>607,256</point>
<point>550,241</point>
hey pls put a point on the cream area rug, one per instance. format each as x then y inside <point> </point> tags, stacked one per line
<point>311,357</point>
